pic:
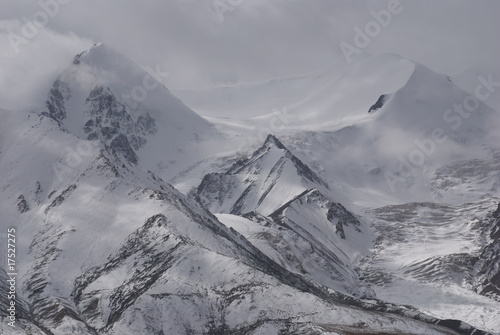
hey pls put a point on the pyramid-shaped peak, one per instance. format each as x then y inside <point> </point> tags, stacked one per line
<point>273,140</point>
<point>266,156</point>
<point>425,100</point>
<point>106,96</point>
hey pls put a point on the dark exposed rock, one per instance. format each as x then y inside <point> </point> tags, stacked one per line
<point>38,192</point>
<point>277,213</point>
<point>488,276</point>
<point>113,124</point>
<point>344,218</point>
<point>238,205</point>
<point>22,308</point>
<point>496,213</point>
<point>76,60</point>
<point>121,145</point>
<point>47,309</point>
<point>58,95</point>
<point>110,120</point>
<point>215,188</point>
<point>108,132</point>
<point>339,229</point>
<point>146,123</point>
<point>137,142</point>
<point>60,198</point>
<point>154,250</point>
<point>377,105</point>
<point>445,268</point>
<point>22,204</point>
<point>271,140</point>
<point>460,327</point>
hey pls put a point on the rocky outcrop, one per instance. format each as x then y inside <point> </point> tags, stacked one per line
<point>379,104</point>
<point>258,182</point>
<point>22,204</point>
<point>488,276</point>
<point>55,104</point>
<point>275,187</point>
<point>111,122</point>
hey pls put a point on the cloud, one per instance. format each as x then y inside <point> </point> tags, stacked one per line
<point>28,70</point>
<point>254,40</point>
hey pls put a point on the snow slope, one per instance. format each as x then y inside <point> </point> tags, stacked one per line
<point>288,210</point>
<point>398,151</point>
<point>318,232</point>
<point>403,135</point>
<point>112,249</point>
<point>104,95</point>
<point>395,152</point>
<point>331,95</point>
<point>432,251</point>
<point>271,177</point>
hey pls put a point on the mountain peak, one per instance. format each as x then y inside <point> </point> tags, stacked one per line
<point>283,154</point>
<point>109,67</point>
<point>106,96</point>
<point>273,140</point>
<point>262,183</point>
<point>429,100</point>
<point>97,53</point>
<point>76,59</point>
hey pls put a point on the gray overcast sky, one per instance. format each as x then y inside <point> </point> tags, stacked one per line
<point>203,43</point>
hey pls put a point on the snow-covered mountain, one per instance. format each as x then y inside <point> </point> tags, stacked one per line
<point>110,242</point>
<point>385,132</point>
<point>266,181</point>
<point>385,128</point>
<point>488,265</point>
<point>107,97</point>
<point>300,234</point>
<point>292,215</point>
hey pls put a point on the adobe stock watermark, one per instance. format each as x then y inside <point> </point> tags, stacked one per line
<point>454,117</point>
<point>30,27</point>
<point>73,158</point>
<point>151,81</point>
<point>12,277</point>
<point>373,28</point>
<point>223,6</point>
